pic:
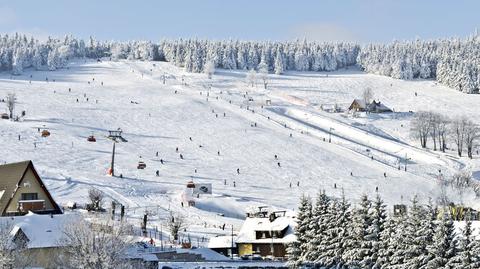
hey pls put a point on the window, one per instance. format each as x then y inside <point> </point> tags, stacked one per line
<point>30,196</point>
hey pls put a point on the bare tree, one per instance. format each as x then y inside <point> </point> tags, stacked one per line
<point>458,131</point>
<point>12,248</point>
<point>11,101</point>
<point>7,253</point>
<point>434,121</point>
<point>263,72</point>
<point>421,125</point>
<point>472,133</point>
<point>251,77</point>
<point>98,244</point>
<point>209,69</point>
<point>367,96</point>
<point>442,132</point>
<point>96,199</point>
<point>175,224</point>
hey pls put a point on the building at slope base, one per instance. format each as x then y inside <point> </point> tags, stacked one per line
<point>22,191</point>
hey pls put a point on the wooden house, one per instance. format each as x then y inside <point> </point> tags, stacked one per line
<point>22,190</point>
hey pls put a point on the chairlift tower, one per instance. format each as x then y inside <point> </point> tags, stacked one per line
<point>115,136</point>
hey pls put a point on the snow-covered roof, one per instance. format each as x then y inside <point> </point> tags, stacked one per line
<point>378,106</point>
<point>206,253</point>
<point>251,225</point>
<point>42,231</point>
<point>360,102</point>
<point>224,241</point>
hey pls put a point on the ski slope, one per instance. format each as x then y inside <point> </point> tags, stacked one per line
<point>227,133</point>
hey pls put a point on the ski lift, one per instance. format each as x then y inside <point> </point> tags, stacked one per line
<point>45,133</point>
<point>141,165</point>
<point>91,139</point>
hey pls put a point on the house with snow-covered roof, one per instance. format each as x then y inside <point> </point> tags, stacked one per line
<point>358,105</point>
<point>39,237</point>
<point>266,233</point>
<point>22,190</point>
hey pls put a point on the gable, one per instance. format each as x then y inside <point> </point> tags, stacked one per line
<point>10,175</point>
<point>28,183</point>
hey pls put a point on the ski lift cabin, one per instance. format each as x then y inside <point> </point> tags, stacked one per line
<point>45,133</point>
<point>141,165</point>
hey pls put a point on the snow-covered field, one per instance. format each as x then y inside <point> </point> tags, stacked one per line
<point>225,136</point>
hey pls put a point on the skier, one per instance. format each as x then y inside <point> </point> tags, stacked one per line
<point>238,171</point>
<point>157,173</point>
<point>335,185</point>
<point>224,182</point>
<point>278,164</point>
<point>376,189</point>
<point>156,154</point>
<point>351,173</point>
<point>298,183</point>
<point>218,153</point>
<point>190,138</point>
<point>384,174</point>
<point>181,156</point>
<point>276,157</point>
<point>161,161</point>
<point>69,89</point>
<point>234,184</point>
<point>415,93</point>
<point>176,150</point>
<point>224,115</point>
<point>290,185</point>
<point>195,170</point>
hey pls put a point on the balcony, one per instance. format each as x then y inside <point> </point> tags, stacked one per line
<point>31,205</point>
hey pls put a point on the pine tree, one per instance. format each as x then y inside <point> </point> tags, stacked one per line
<point>359,243</point>
<point>468,255</point>
<point>443,249</point>
<point>379,218</point>
<point>278,62</point>
<point>297,250</point>
<point>318,229</point>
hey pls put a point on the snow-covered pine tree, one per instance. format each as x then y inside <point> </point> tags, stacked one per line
<point>468,254</point>
<point>359,243</point>
<point>443,248</point>
<point>278,67</point>
<point>298,249</point>
<point>317,229</point>
<point>378,217</point>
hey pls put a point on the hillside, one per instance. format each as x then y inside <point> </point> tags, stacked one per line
<point>225,136</point>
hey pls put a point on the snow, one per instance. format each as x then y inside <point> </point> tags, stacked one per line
<point>163,120</point>
<point>42,231</point>
<point>252,224</point>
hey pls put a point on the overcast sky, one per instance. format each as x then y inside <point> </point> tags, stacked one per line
<point>350,20</point>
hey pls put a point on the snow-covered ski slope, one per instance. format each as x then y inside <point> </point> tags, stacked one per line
<point>157,117</point>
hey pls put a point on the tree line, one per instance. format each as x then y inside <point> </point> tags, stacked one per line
<point>333,234</point>
<point>453,62</point>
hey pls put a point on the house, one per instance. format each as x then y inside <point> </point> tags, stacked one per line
<point>223,244</point>
<point>39,237</point>
<point>266,233</point>
<point>22,190</point>
<point>358,106</point>
<point>378,107</point>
